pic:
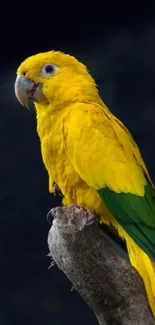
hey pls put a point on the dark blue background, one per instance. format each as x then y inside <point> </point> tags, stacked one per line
<point>117,43</point>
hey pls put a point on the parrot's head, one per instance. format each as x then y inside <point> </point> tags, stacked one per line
<point>53,77</point>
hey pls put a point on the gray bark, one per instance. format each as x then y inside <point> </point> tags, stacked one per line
<point>108,283</point>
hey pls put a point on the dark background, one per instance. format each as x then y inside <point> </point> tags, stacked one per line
<point>117,43</point>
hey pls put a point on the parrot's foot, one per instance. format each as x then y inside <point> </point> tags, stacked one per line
<point>90,215</point>
<point>57,190</point>
<point>72,211</point>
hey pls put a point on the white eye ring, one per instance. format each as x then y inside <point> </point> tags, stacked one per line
<point>48,70</point>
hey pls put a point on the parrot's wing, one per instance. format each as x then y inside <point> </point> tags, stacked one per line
<point>106,157</point>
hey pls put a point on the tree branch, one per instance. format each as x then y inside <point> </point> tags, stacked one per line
<point>107,282</point>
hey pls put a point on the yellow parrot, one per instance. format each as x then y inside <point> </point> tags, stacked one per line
<point>90,154</point>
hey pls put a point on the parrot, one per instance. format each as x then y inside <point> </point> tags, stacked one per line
<point>90,154</point>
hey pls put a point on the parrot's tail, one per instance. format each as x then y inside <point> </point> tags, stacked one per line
<point>146,268</point>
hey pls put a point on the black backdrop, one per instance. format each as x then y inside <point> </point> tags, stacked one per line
<point>118,45</point>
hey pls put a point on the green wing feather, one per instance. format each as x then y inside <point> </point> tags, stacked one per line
<point>135,214</point>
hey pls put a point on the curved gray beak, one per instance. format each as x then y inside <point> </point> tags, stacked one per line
<point>27,89</point>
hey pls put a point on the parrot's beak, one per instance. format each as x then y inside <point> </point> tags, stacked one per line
<point>27,89</point>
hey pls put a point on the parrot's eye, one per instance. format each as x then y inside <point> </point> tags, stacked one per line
<point>48,70</point>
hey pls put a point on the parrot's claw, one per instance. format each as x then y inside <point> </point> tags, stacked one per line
<point>57,190</point>
<point>91,218</point>
<point>50,216</point>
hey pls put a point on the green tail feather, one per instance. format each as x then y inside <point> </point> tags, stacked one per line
<point>135,214</point>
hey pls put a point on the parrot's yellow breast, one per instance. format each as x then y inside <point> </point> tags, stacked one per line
<point>60,170</point>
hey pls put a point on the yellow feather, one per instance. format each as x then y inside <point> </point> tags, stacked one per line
<point>146,268</point>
